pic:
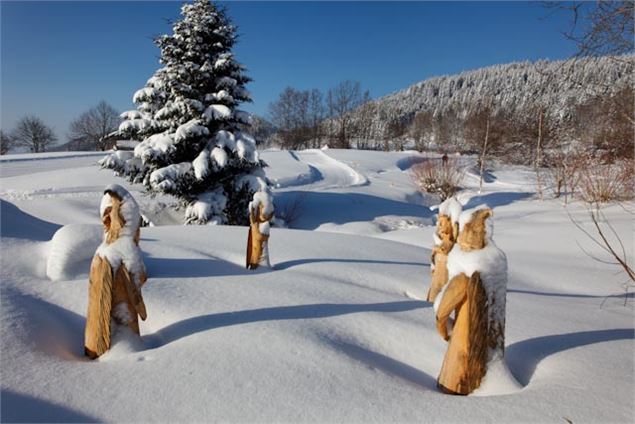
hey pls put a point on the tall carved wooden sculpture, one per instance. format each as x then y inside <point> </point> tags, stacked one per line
<point>260,214</point>
<point>444,239</point>
<point>476,291</point>
<point>117,273</point>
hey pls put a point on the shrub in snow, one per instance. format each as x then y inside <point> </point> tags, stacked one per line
<point>476,291</point>
<point>444,239</point>
<point>438,177</point>
<point>290,211</point>
<point>116,273</point>
<point>601,182</point>
<point>193,145</point>
<point>260,217</point>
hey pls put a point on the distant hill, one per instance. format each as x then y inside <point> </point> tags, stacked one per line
<point>519,86</point>
<point>516,90</point>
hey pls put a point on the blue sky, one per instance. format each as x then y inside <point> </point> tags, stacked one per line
<point>60,58</point>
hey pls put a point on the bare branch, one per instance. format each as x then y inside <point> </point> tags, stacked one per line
<point>90,129</point>
<point>31,132</point>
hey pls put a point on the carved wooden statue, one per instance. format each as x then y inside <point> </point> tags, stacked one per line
<point>476,292</point>
<point>444,239</point>
<point>117,273</point>
<point>260,214</point>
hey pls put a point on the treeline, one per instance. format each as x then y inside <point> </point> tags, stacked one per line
<point>310,118</point>
<point>30,133</point>
<point>564,101</point>
<point>89,131</point>
<point>523,106</point>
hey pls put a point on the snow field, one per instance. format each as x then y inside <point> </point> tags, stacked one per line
<point>336,331</point>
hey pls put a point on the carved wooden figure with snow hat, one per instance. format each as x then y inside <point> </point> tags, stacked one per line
<point>476,290</point>
<point>260,214</point>
<point>445,237</point>
<point>117,273</point>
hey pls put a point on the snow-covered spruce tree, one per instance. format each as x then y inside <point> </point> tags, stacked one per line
<point>193,145</point>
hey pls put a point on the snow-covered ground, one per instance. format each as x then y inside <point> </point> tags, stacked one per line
<point>336,331</point>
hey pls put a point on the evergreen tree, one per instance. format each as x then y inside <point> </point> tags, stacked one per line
<point>193,145</point>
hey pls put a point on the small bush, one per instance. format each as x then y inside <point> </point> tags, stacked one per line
<point>290,211</point>
<point>606,182</point>
<point>437,176</point>
<point>564,170</point>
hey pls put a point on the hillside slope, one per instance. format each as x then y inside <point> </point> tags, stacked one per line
<point>516,87</point>
<point>590,97</point>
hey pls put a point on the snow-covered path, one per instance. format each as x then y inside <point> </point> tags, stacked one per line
<point>337,193</point>
<point>330,173</point>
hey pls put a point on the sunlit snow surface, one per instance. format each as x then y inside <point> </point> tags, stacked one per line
<point>336,331</point>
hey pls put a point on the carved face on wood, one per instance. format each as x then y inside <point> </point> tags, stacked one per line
<point>262,217</point>
<point>473,236</point>
<point>113,221</point>
<point>446,230</point>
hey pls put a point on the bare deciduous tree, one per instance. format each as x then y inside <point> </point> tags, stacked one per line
<point>298,116</point>
<point>421,129</point>
<point>478,128</point>
<point>6,142</point>
<point>365,122</point>
<point>90,129</point>
<point>288,114</point>
<point>445,128</point>
<point>261,129</point>
<point>540,136</point>
<point>600,27</point>
<point>606,28</point>
<point>316,114</point>
<point>609,241</point>
<point>303,118</point>
<point>603,124</point>
<point>32,133</point>
<point>564,164</point>
<point>342,99</point>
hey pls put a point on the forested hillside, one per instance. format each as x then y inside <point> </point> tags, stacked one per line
<point>525,110</point>
<point>588,100</point>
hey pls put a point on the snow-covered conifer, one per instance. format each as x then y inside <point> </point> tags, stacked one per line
<point>193,143</point>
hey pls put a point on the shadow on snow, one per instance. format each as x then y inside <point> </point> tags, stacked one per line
<point>19,408</point>
<point>16,223</point>
<point>523,357</point>
<point>387,364</point>
<point>340,208</point>
<point>298,262</point>
<point>190,268</point>
<point>573,295</point>
<point>190,326</point>
<point>56,330</point>
<point>497,199</point>
<point>59,332</point>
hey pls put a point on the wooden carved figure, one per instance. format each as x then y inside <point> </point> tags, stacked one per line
<point>260,214</point>
<point>444,239</point>
<point>117,273</point>
<point>476,291</point>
